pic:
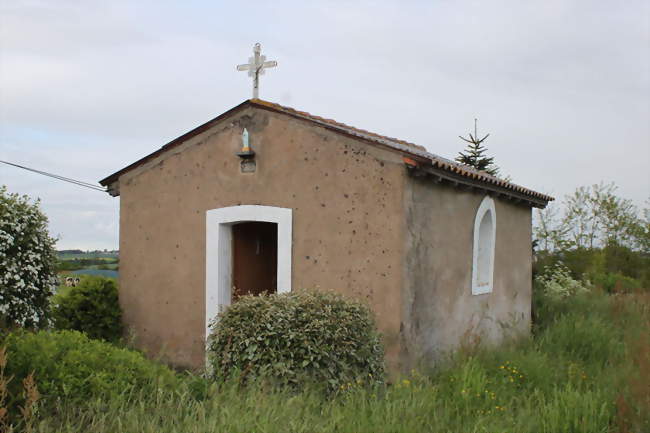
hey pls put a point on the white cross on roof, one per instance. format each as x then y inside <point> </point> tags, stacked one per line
<point>255,67</point>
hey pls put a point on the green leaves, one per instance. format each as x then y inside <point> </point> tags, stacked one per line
<point>91,307</point>
<point>296,338</point>
<point>69,364</point>
<point>27,262</point>
<point>474,155</point>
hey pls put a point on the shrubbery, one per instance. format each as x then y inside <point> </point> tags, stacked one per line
<point>27,262</point>
<point>70,365</point>
<point>599,237</point>
<point>91,307</point>
<point>615,282</point>
<point>556,282</point>
<point>582,372</point>
<point>297,338</point>
<point>613,268</point>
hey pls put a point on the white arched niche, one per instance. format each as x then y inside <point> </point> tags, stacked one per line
<point>218,257</point>
<point>483,250</point>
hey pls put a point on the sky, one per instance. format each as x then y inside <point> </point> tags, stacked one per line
<point>88,87</point>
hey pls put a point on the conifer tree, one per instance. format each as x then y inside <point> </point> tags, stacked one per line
<point>474,154</point>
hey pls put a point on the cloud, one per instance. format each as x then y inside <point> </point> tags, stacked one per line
<point>87,88</point>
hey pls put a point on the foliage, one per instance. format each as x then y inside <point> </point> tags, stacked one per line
<point>594,216</point>
<point>556,282</point>
<point>641,230</point>
<point>611,267</point>
<point>549,231</point>
<point>69,365</point>
<point>580,373</point>
<point>615,283</point>
<point>600,237</point>
<point>14,417</point>
<point>91,307</point>
<point>297,338</point>
<point>474,155</point>
<point>27,262</point>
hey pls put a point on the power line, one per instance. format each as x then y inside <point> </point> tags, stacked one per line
<point>56,176</point>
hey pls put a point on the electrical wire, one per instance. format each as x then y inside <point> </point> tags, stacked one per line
<point>56,176</point>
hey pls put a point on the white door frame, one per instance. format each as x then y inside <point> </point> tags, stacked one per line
<point>218,257</point>
<point>487,205</point>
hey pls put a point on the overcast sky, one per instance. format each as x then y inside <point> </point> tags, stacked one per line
<point>87,87</point>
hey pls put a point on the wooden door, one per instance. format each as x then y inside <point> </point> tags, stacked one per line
<point>255,258</point>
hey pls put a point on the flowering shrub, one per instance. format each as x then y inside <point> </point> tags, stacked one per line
<point>556,282</point>
<point>27,262</point>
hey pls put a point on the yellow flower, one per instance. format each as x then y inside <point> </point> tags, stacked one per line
<point>406,382</point>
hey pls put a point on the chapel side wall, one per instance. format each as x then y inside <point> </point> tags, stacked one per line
<point>348,224</point>
<point>441,312</point>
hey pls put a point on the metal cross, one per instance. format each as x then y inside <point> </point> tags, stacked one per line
<point>255,68</point>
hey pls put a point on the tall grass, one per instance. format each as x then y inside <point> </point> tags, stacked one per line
<point>586,369</point>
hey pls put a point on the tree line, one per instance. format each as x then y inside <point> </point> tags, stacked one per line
<point>598,236</point>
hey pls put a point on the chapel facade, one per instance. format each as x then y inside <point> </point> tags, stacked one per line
<point>267,198</point>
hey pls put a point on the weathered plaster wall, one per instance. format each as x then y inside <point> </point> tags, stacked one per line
<point>438,307</point>
<point>348,221</point>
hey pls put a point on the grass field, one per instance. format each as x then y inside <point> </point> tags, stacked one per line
<point>88,263</point>
<point>585,369</point>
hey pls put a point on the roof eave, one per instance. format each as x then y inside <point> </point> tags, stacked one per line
<point>113,178</point>
<point>440,175</point>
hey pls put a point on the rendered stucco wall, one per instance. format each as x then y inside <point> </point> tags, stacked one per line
<point>348,224</point>
<point>439,310</point>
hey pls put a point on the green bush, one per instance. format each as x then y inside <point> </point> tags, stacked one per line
<point>297,338</point>
<point>615,283</point>
<point>91,307</point>
<point>70,365</point>
<point>602,266</point>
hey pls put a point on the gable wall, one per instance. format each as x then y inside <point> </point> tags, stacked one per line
<point>346,197</point>
<point>438,306</point>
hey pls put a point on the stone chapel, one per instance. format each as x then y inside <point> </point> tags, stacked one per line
<point>267,198</point>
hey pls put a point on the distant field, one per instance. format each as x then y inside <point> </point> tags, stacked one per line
<point>90,255</point>
<point>104,264</point>
<point>97,272</point>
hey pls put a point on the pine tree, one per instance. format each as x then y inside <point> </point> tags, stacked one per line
<point>474,154</point>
